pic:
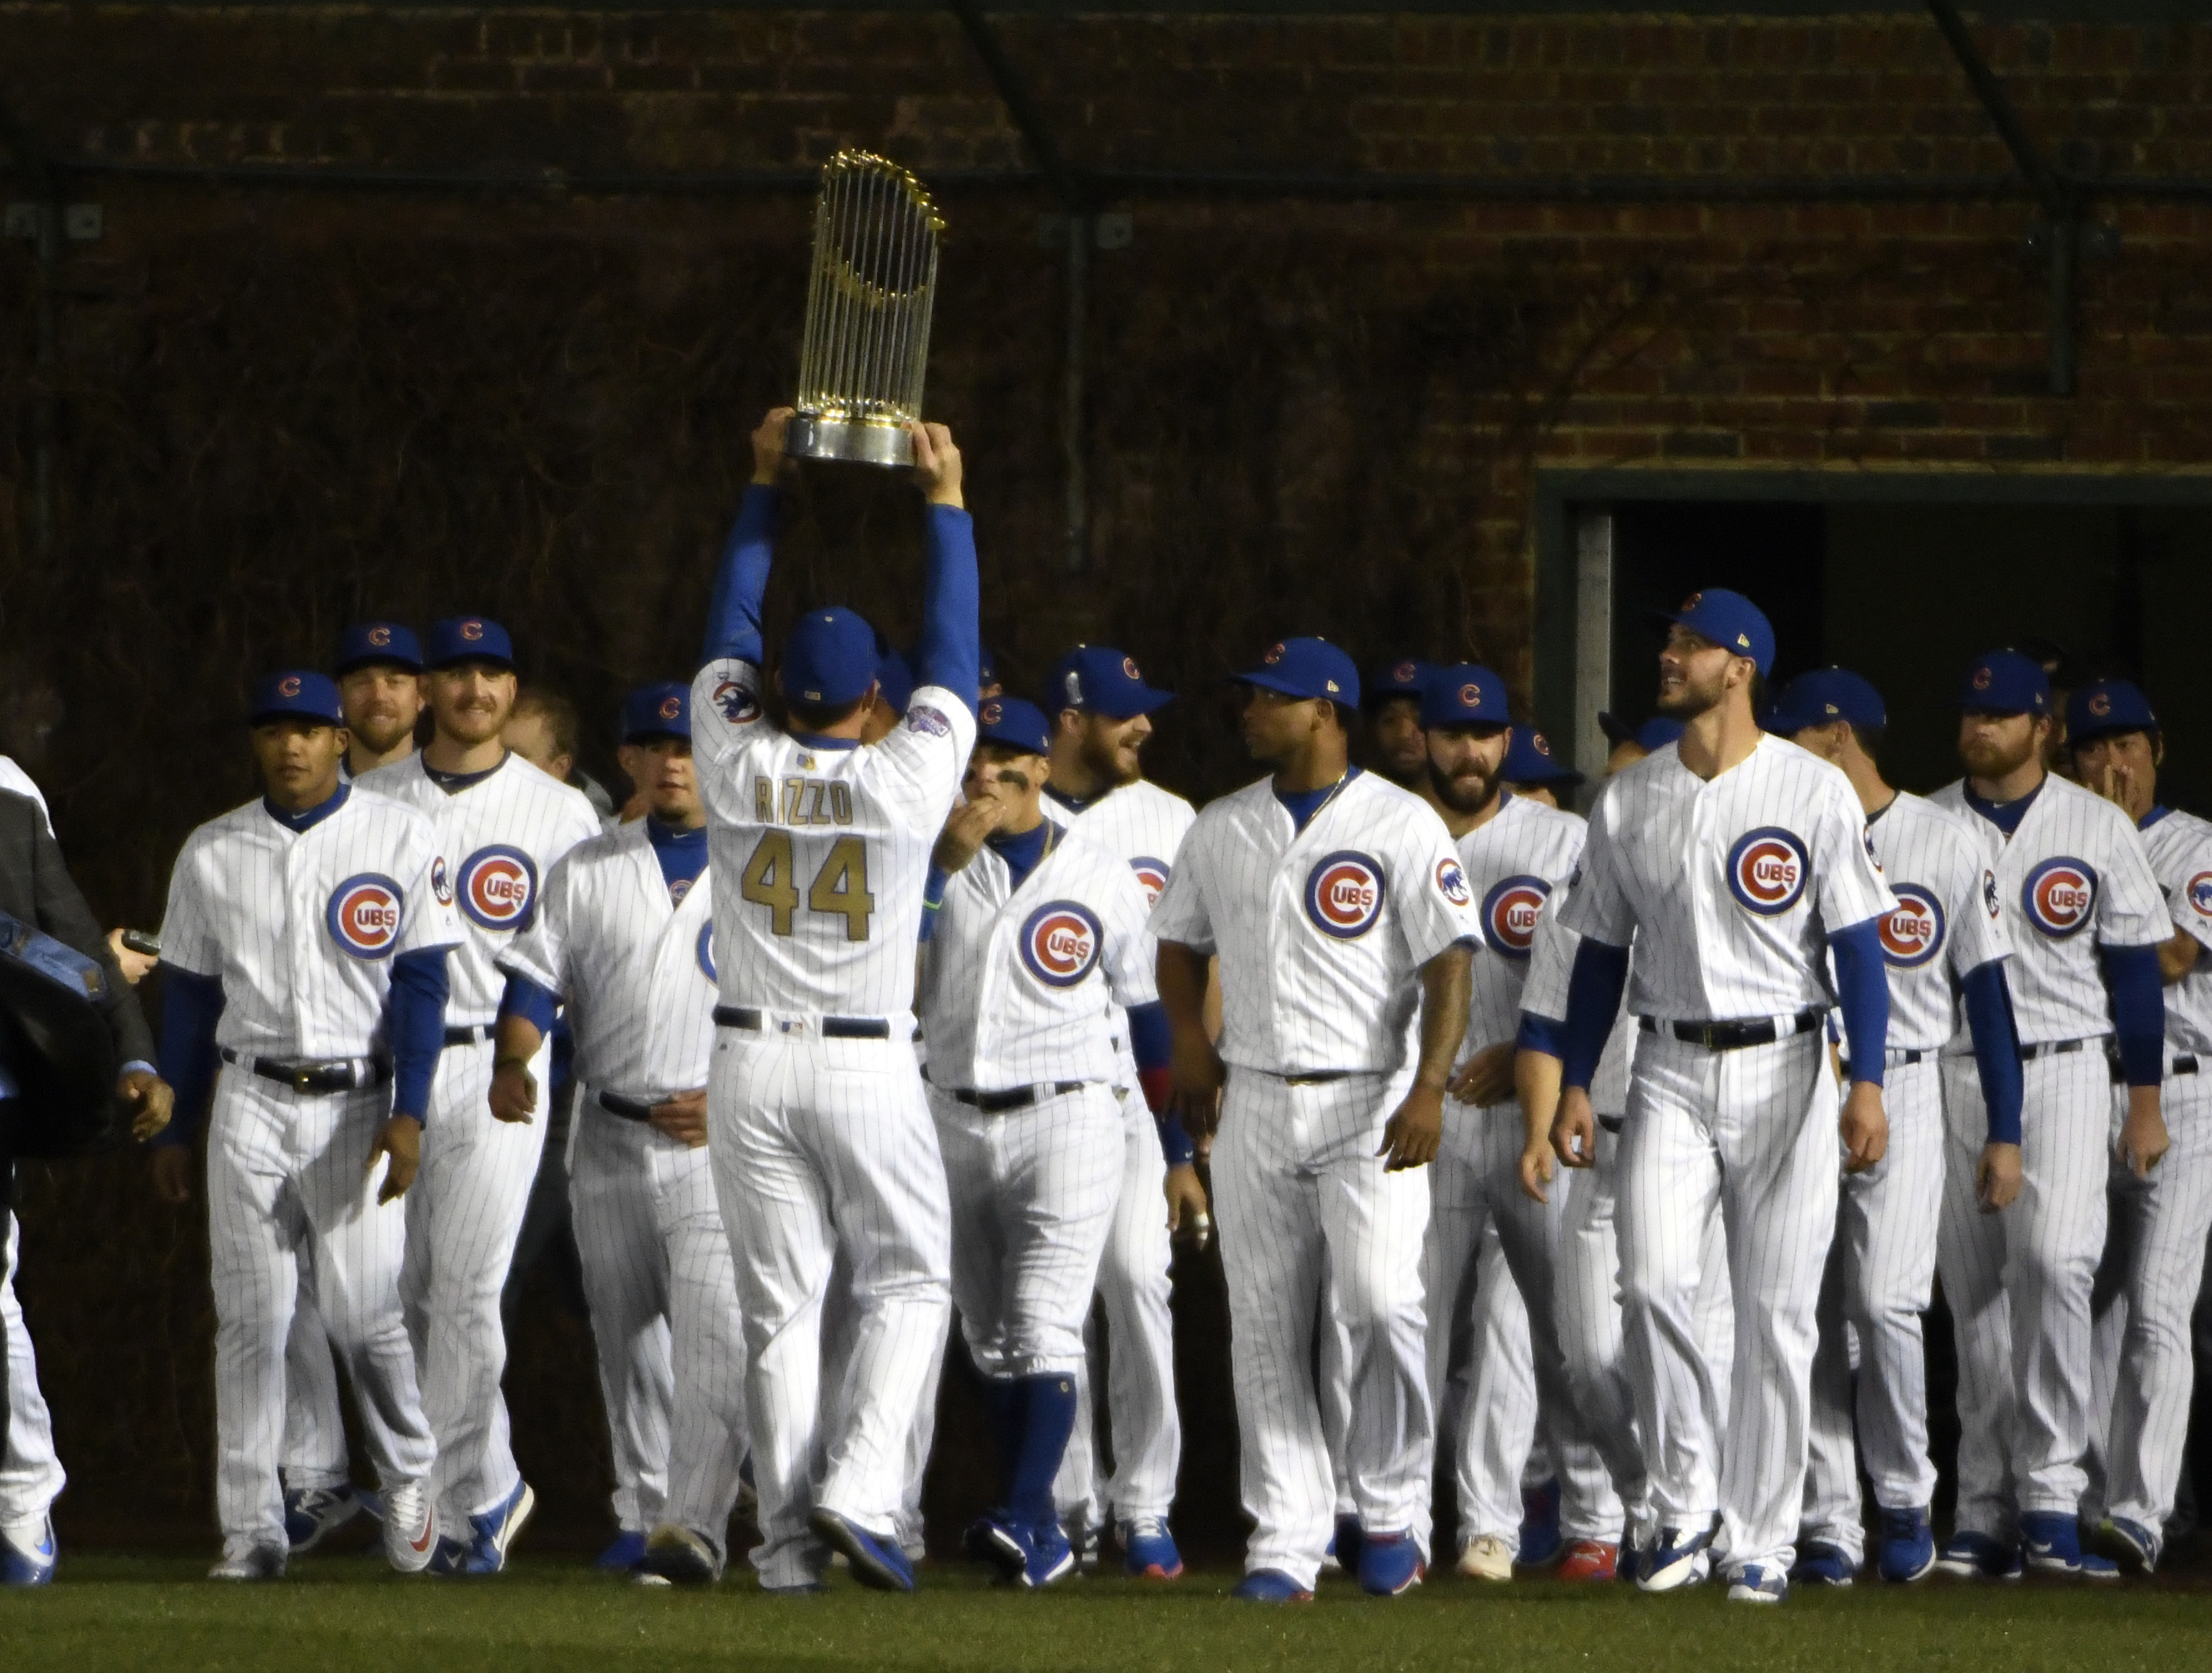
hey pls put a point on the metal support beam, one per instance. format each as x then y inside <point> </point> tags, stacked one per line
<point>46,185</point>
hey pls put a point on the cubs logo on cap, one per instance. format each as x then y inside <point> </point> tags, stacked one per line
<point>1510,912</point>
<point>2100,703</point>
<point>1451,882</point>
<point>704,949</point>
<point>380,636</point>
<point>441,881</point>
<point>739,702</point>
<point>499,886</point>
<point>1406,673</point>
<point>1767,871</point>
<point>1343,895</point>
<point>2199,894</point>
<point>288,686</point>
<point>1129,668</point>
<point>990,712</point>
<point>1151,877</point>
<point>471,631</point>
<point>1060,943</point>
<point>1982,678</point>
<point>364,915</point>
<point>2060,897</point>
<point>1471,695</point>
<point>1274,655</point>
<point>1541,744</point>
<point>670,707</point>
<point>1913,934</point>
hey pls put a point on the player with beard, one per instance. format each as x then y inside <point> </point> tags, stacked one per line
<point>379,676</point>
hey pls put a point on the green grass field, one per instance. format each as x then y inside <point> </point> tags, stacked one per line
<point>546,1615</point>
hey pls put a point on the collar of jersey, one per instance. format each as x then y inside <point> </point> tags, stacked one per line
<point>2152,818</point>
<point>1077,804</point>
<point>815,741</point>
<point>454,783</point>
<point>308,818</point>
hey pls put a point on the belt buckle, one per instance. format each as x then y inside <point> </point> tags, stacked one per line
<point>1709,1036</point>
<point>303,1080</point>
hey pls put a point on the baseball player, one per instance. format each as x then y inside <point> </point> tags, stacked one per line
<point>1034,945</point>
<point>1534,772</point>
<point>1947,936</point>
<point>624,934</point>
<point>1101,708</point>
<point>1338,908</point>
<point>306,936</point>
<point>501,825</point>
<point>1736,862</point>
<point>2084,917</point>
<point>2153,1257</point>
<point>820,1131</point>
<point>379,674</point>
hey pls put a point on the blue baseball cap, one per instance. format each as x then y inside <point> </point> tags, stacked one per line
<point>1825,696</point>
<point>1306,669</point>
<point>1014,723</point>
<point>1655,734</point>
<point>364,642</point>
<point>986,666</point>
<point>1529,760</point>
<point>2006,682</point>
<point>297,693</point>
<point>468,639</point>
<point>828,658</point>
<point>657,711</point>
<point>1100,680</point>
<point>1729,620</point>
<point>897,680</point>
<point>2108,705</point>
<point>1406,678</point>
<point>1465,694</point>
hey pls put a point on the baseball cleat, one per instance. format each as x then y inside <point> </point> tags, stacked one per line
<point>1148,1550</point>
<point>878,1562</point>
<point>1591,1560</point>
<point>2132,1546</point>
<point>1541,1539</point>
<point>998,1542</point>
<point>1756,1585</point>
<point>803,1589</point>
<point>1820,1564</point>
<point>680,1557</point>
<point>1084,1542</point>
<point>262,1562</point>
<point>1389,1564</point>
<point>446,1556</point>
<point>411,1528</point>
<point>496,1531</point>
<point>28,1551</point>
<point>1344,1548</point>
<point>1908,1545</point>
<point>651,1581</point>
<point>1487,1557</point>
<point>1673,1563</point>
<point>1049,1556</point>
<point>624,1552</point>
<point>1972,1555</point>
<point>1271,1585</point>
<point>2050,1541</point>
<point>312,1515</point>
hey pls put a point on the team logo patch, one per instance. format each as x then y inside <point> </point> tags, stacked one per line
<point>1129,669</point>
<point>288,686</point>
<point>499,886</point>
<point>1151,877</point>
<point>2100,704</point>
<point>2060,897</point>
<point>1982,679</point>
<point>1060,943</point>
<point>472,630</point>
<point>670,707</point>
<point>922,718</point>
<point>705,949</point>
<point>441,881</point>
<point>1990,896</point>
<point>1767,870</point>
<point>1541,744</point>
<point>1509,914</point>
<point>380,636</point>
<point>739,703</point>
<point>2199,894</point>
<point>364,915</point>
<point>678,890</point>
<point>990,712</point>
<point>1274,655</point>
<point>1404,672</point>
<point>1343,895</point>
<point>1913,934</point>
<point>1451,882</point>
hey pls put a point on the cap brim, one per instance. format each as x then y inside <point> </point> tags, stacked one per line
<point>1128,708</point>
<point>492,657</point>
<point>2106,729</point>
<point>651,734</point>
<point>1616,729</point>
<point>378,659</point>
<point>262,716</point>
<point>1267,680</point>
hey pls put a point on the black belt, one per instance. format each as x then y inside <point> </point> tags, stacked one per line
<point>993,1104</point>
<point>1318,1078</point>
<point>1735,1036</point>
<point>629,1109</point>
<point>1611,1123</point>
<point>833,1028</point>
<point>475,1033</point>
<point>2028,1054</point>
<point>342,1074</point>
<point>2185,1064</point>
<point>1896,1059</point>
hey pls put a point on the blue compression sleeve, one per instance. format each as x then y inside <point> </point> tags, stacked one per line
<point>1151,1043</point>
<point>1150,1040</point>
<point>2138,1012</point>
<point>1593,1001</point>
<point>1543,1034</point>
<point>191,1006</point>
<point>951,651</point>
<point>1997,1047</point>
<point>1863,993</point>
<point>933,899</point>
<point>733,616</point>
<point>533,1004</point>
<point>414,1026</point>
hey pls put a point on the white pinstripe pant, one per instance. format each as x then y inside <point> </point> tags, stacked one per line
<point>1753,1131</point>
<point>464,1215</point>
<point>822,1146</point>
<point>662,1289</point>
<point>31,1475</point>
<point>287,1170</point>
<point>2018,1284</point>
<point>314,1427</point>
<point>1300,1193</point>
<point>1881,1278</point>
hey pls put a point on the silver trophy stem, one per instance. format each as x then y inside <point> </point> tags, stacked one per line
<point>851,440</point>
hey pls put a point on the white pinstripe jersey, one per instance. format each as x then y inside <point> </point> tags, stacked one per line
<point>1321,933</point>
<point>2181,849</point>
<point>2075,865</point>
<point>501,836</point>
<point>1551,967</point>
<point>1947,920</point>
<point>1513,862</point>
<point>820,854</point>
<point>1731,886</point>
<point>301,926</point>
<point>637,968</point>
<point>1016,984</point>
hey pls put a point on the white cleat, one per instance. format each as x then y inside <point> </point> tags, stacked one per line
<point>410,1533</point>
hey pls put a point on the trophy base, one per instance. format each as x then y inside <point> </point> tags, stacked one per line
<point>855,440</point>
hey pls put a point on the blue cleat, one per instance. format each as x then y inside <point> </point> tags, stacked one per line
<point>312,1515</point>
<point>2133,1546</point>
<point>1271,1585</point>
<point>1389,1564</point>
<point>878,1562</point>
<point>27,1552</point>
<point>1973,1555</point>
<point>1674,1562</point>
<point>1344,1548</point>
<point>495,1530</point>
<point>1148,1550</point>
<point>1820,1564</point>
<point>1541,1539</point>
<point>1050,1555</point>
<point>446,1557</point>
<point>623,1554</point>
<point>997,1542</point>
<point>1908,1545</point>
<point>2050,1541</point>
<point>1754,1583</point>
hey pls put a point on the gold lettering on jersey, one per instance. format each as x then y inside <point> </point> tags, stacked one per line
<point>764,801</point>
<point>804,802</point>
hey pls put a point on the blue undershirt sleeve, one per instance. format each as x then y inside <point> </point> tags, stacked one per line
<point>1151,1043</point>
<point>1862,995</point>
<point>951,652</point>
<point>733,616</point>
<point>1996,1047</point>
<point>191,1006</point>
<point>537,1005</point>
<point>2138,1012</point>
<point>933,899</point>
<point>414,1026</point>
<point>1593,1001</point>
<point>1543,1034</point>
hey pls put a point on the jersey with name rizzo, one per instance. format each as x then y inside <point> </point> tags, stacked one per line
<point>501,835</point>
<point>637,968</point>
<point>1730,885</point>
<point>1016,981</point>
<point>1513,861</point>
<point>820,848</point>
<point>2072,877</point>
<point>1322,932</point>
<point>2181,848</point>
<point>1948,920</point>
<point>301,926</point>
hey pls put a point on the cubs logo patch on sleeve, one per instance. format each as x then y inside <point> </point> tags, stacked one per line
<point>364,915</point>
<point>1343,895</point>
<point>1990,898</point>
<point>1510,912</point>
<point>1151,877</point>
<point>499,886</point>
<point>2060,897</point>
<point>1060,943</point>
<point>739,702</point>
<point>2199,894</point>
<point>1767,871</point>
<point>1451,883</point>
<point>1913,934</point>
<point>705,949</point>
<point>441,881</point>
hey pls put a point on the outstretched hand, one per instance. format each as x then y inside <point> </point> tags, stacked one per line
<point>767,446</point>
<point>936,464</point>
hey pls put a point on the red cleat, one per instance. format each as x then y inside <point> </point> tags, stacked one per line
<point>1589,1559</point>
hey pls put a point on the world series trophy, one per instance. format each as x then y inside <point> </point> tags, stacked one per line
<point>868,300</point>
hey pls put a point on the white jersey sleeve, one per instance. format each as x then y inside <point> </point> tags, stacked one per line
<point>188,939</point>
<point>2181,848</point>
<point>1181,914</point>
<point>539,953</point>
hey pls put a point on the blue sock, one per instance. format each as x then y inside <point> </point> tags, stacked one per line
<point>1044,1418</point>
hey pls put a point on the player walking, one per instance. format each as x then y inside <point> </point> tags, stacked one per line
<point>1337,907</point>
<point>819,1128</point>
<point>1736,862</point>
